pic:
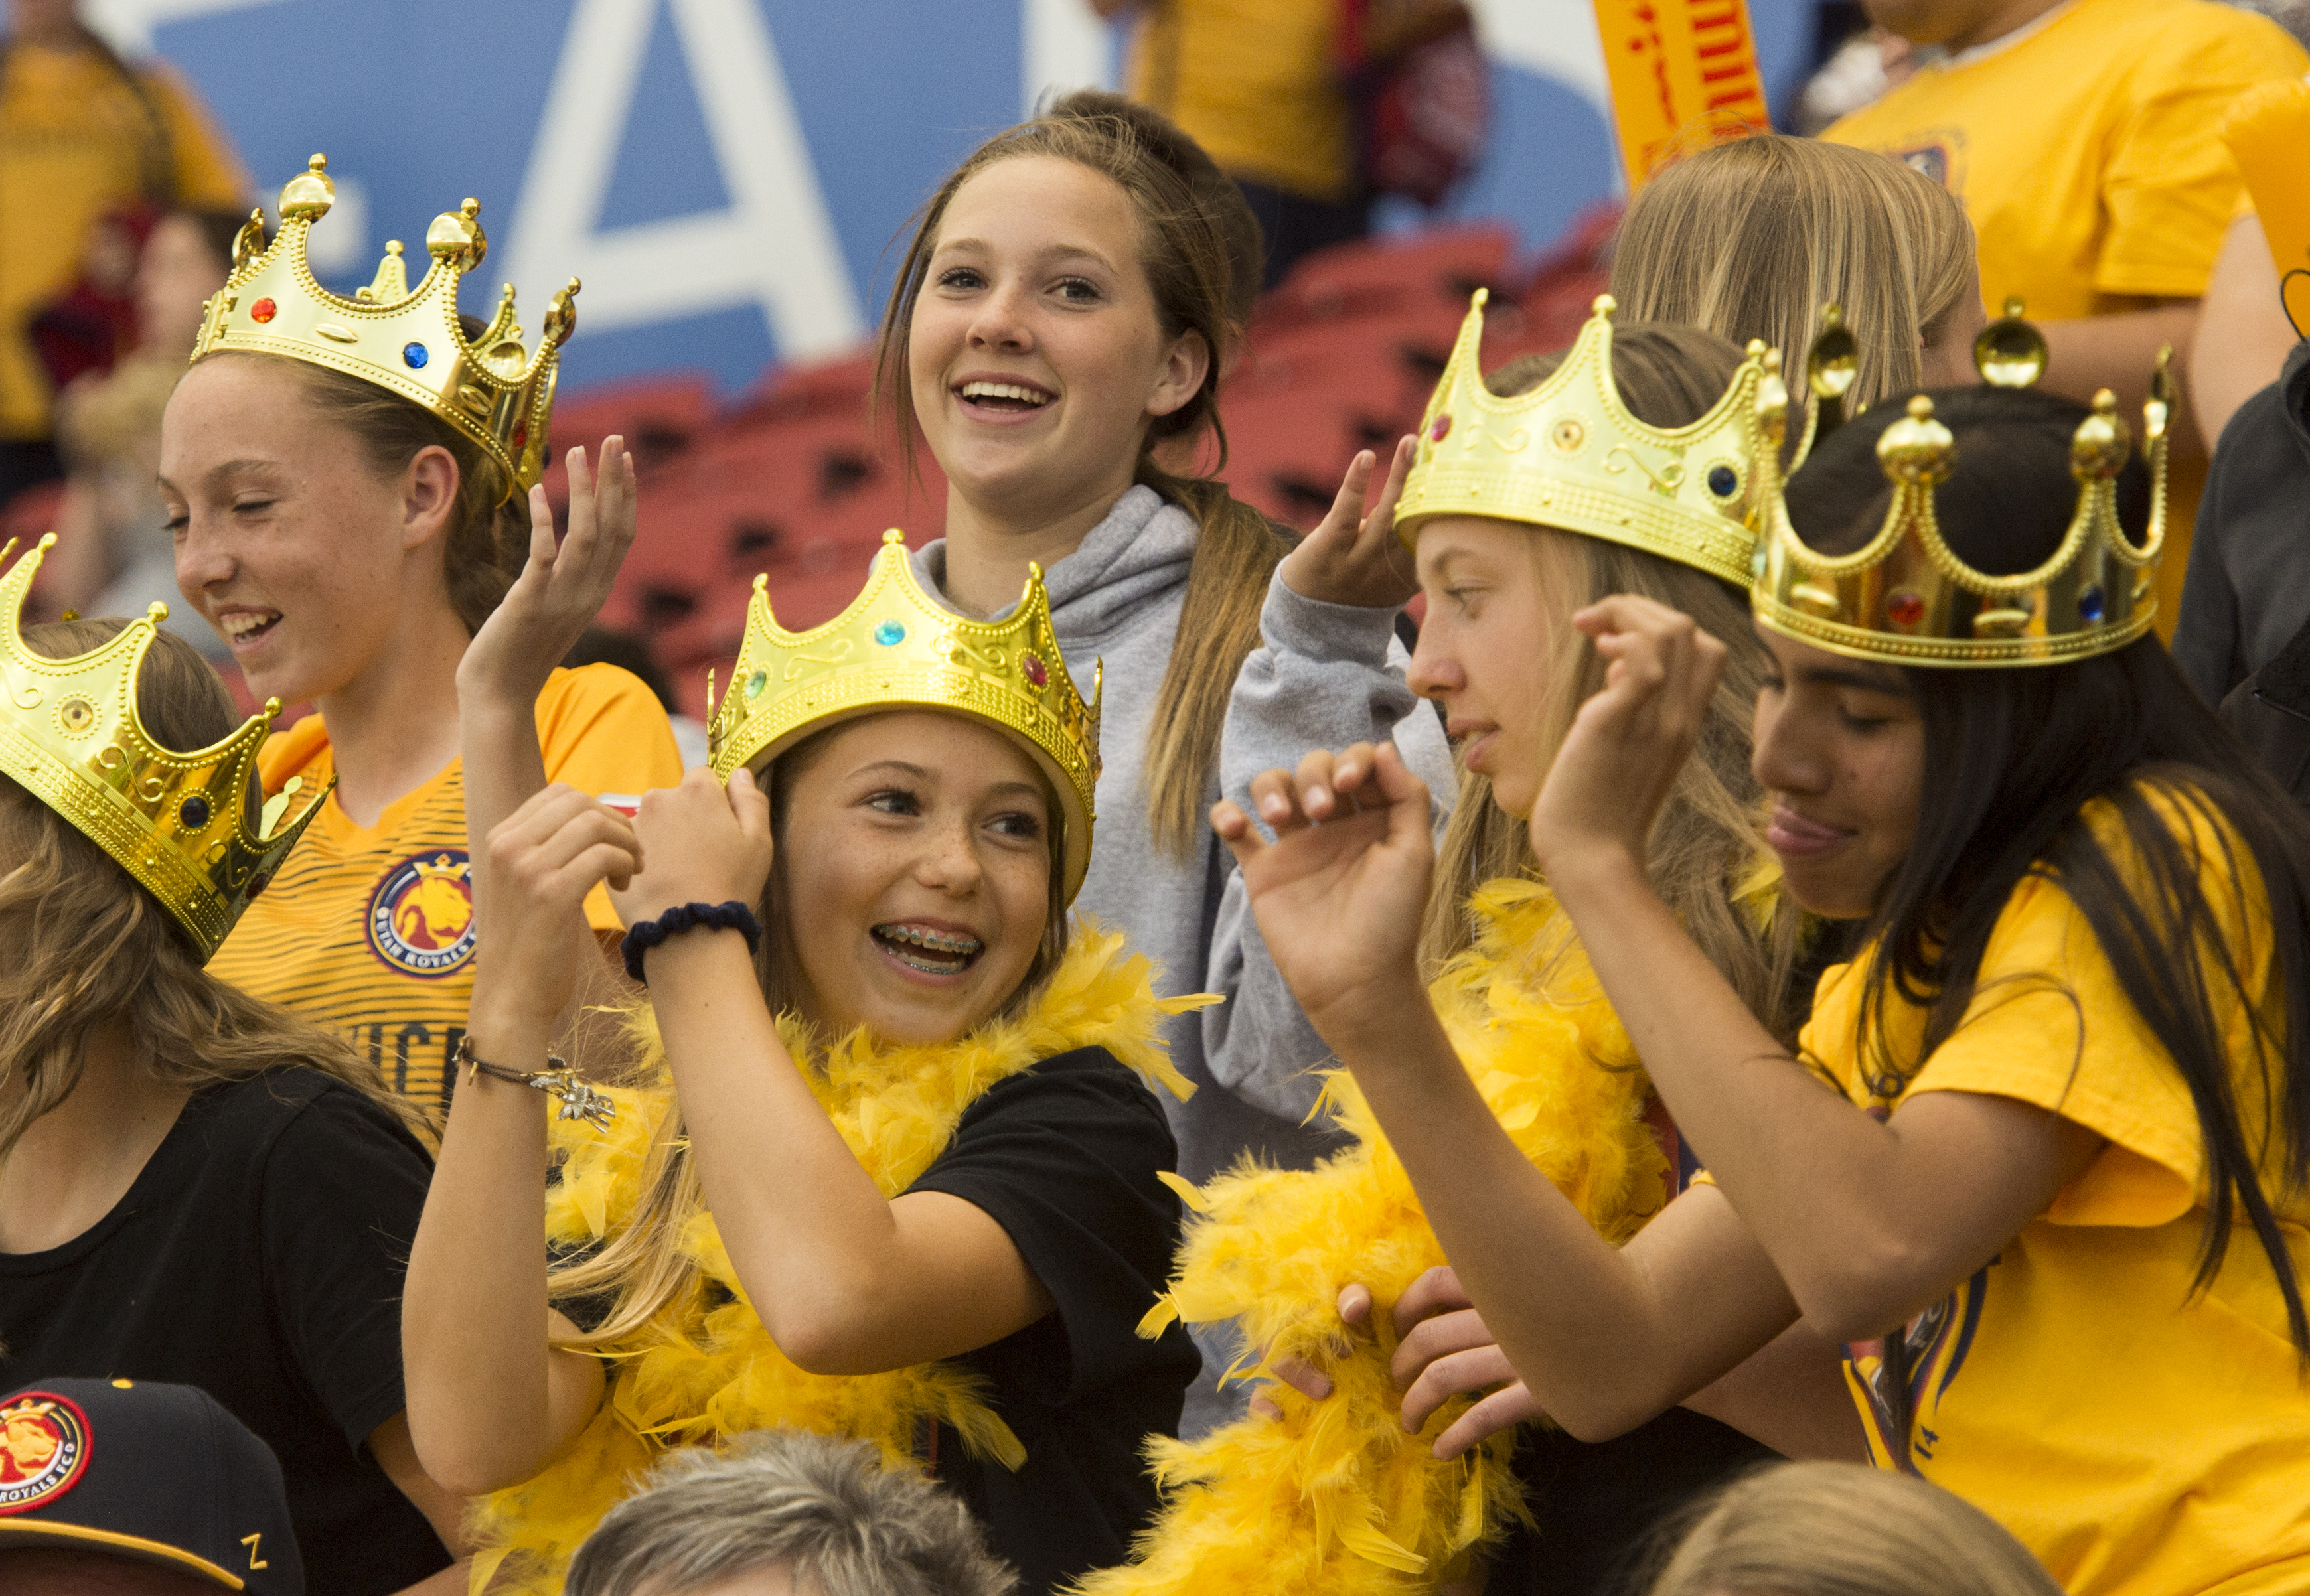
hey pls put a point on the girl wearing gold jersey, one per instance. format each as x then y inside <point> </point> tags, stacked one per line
<point>2053,1202</point>
<point>347,541</point>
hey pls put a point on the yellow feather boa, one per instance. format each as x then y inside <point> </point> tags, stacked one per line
<point>703,1372</point>
<point>1335,1499</point>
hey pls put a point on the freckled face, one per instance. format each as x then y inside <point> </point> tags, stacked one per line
<point>286,540</point>
<point>1498,594</point>
<point>1841,749</point>
<point>917,855</point>
<point>1036,357</point>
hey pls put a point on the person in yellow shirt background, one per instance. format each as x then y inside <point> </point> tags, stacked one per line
<point>2084,138</point>
<point>1256,83</point>
<point>81,134</point>
<point>347,539</point>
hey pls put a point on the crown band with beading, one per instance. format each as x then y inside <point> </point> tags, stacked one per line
<point>897,648</point>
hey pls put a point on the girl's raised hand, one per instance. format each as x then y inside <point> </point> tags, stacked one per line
<point>1353,556</point>
<point>707,843</point>
<point>1629,741</point>
<point>544,859</point>
<point>563,584</point>
<point>1339,893</point>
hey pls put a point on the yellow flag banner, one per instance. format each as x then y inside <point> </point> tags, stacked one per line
<point>1683,75</point>
<point>2268,131</point>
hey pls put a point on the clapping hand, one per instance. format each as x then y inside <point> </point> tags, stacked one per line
<point>563,584</point>
<point>1629,740</point>
<point>1341,892</point>
<point>1353,557</point>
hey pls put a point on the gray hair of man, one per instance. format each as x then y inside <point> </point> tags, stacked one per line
<point>819,1509</point>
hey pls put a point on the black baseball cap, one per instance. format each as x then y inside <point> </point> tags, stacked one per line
<point>138,1468</point>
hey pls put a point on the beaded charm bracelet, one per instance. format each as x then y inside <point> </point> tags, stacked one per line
<point>732,915</point>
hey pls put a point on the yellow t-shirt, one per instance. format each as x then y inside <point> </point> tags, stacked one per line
<point>75,142</point>
<point>1255,82</point>
<point>371,929</point>
<point>2140,1439</point>
<point>2089,154</point>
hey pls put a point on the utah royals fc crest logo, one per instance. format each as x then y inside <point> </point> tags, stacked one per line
<point>421,917</point>
<point>43,1448</point>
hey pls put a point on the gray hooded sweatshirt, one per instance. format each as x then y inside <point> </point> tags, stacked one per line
<point>1116,600</point>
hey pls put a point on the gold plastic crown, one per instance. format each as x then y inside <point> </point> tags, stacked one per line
<point>186,826</point>
<point>1568,455</point>
<point>897,648</point>
<point>1905,599</point>
<point>408,340</point>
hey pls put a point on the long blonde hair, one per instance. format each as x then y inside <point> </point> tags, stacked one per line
<point>1750,238</point>
<point>1706,842</point>
<point>1822,1529</point>
<point>643,1265</point>
<point>1184,251</point>
<point>81,943</point>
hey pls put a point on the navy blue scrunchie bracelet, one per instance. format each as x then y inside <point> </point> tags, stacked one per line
<point>732,916</point>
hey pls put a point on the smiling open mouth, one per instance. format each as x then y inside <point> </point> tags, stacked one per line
<point>1003,398</point>
<point>246,626</point>
<point>933,952</point>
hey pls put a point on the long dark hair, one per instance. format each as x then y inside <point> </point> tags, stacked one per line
<point>2012,759</point>
<point>1192,262</point>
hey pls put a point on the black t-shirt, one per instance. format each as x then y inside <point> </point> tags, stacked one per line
<point>259,1255</point>
<point>1063,1157</point>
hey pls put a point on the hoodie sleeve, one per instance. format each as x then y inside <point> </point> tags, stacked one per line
<point>1326,675</point>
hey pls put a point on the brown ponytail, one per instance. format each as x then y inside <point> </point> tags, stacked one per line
<point>1193,262</point>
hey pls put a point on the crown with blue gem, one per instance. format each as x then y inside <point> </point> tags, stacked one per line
<point>897,648</point>
<point>1904,598</point>
<point>405,340</point>
<point>187,825</point>
<point>1568,455</point>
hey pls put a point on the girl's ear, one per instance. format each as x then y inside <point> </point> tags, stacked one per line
<point>1185,366</point>
<point>428,495</point>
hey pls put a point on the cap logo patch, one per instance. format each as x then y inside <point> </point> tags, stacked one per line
<point>44,1445</point>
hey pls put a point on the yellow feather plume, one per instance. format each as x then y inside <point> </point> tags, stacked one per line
<point>1335,1499</point>
<point>699,1372</point>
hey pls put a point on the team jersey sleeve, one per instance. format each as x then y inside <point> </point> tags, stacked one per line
<point>604,733</point>
<point>2050,1024</point>
<point>343,1188</point>
<point>2170,188</point>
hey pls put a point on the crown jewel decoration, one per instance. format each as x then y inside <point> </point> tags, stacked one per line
<point>897,648</point>
<point>1568,455</point>
<point>1905,599</point>
<point>186,826</point>
<point>490,388</point>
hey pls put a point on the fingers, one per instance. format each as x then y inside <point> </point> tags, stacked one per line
<point>1355,1303</point>
<point>1345,518</point>
<point>1479,1368</point>
<point>1503,1410</point>
<point>1442,1334</point>
<point>1437,1291</point>
<point>1264,1406</point>
<point>1379,508</point>
<point>560,842</point>
<point>751,805</point>
<point>1301,1376</point>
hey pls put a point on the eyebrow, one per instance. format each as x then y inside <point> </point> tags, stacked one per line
<point>924,774</point>
<point>1057,252</point>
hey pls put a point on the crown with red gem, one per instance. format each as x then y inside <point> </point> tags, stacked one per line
<point>490,388</point>
<point>1569,455</point>
<point>1904,598</point>
<point>188,827</point>
<point>897,648</point>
